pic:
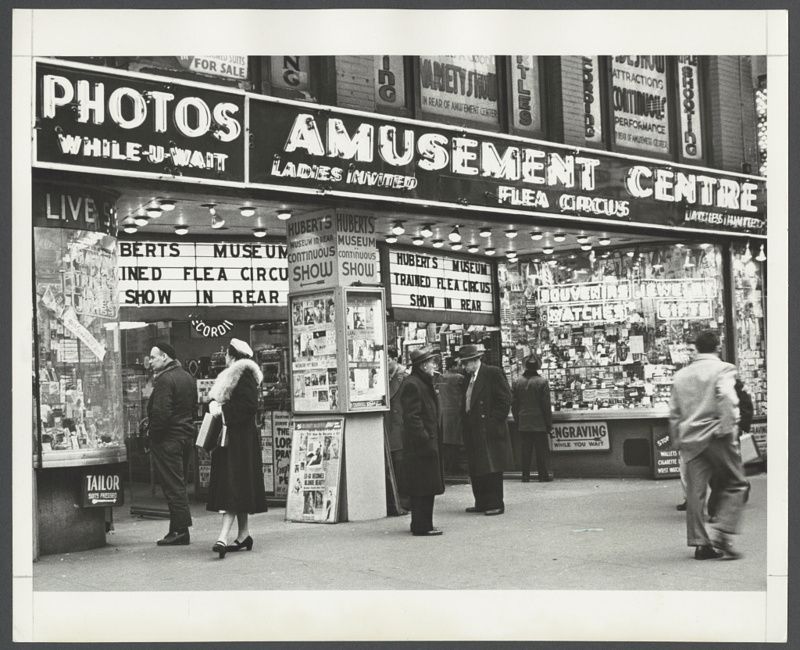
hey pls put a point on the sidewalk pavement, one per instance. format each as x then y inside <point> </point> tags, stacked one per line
<point>568,534</point>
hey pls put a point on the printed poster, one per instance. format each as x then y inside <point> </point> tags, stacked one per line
<point>365,352</point>
<point>282,449</point>
<point>314,470</point>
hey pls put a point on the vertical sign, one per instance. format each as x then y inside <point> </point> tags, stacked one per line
<point>290,72</point>
<point>315,470</point>
<point>459,87</point>
<point>639,98</point>
<point>390,81</point>
<point>689,105</point>
<point>282,449</point>
<point>592,120</point>
<point>526,111</point>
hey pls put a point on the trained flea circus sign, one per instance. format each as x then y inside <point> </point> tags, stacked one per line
<point>579,436</point>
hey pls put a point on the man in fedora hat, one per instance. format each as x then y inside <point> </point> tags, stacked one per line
<point>421,476</point>
<point>487,400</point>
<point>533,414</point>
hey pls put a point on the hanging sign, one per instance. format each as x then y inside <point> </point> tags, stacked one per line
<point>440,282</point>
<point>102,121</point>
<point>689,107</point>
<point>226,66</point>
<point>315,470</point>
<point>158,273</point>
<point>526,111</point>
<point>200,328</point>
<point>592,121</point>
<point>312,148</point>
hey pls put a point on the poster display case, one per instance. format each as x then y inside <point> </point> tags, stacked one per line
<point>323,322</point>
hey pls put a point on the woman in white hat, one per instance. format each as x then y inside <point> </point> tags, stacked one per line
<point>236,488</point>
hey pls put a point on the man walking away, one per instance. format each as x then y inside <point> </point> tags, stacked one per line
<point>487,400</point>
<point>171,410</point>
<point>534,417</point>
<point>703,416</point>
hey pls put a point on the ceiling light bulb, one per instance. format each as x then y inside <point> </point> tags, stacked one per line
<point>456,246</point>
<point>129,229</point>
<point>511,233</point>
<point>284,215</point>
<point>604,241</point>
<point>397,228</point>
<point>762,256</point>
<point>704,245</point>
<point>747,255</point>
<point>511,254</point>
<point>259,232</point>
<point>485,232</point>
<point>559,237</point>
<point>454,235</point>
<point>582,239</point>
<point>678,245</point>
<point>426,231</point>
<point>586,247</point>
<point>141,220</point>
<point>688,263</point>
<point>418,241</point>
<point>217,222</point>
<point>154,212</point>
<point>630,253</point>
<point>167,205</point>
<point>547,250</point>
<point>247,211</point>
<point>181,229</point>
<point>536,235</point>
<point>212,210</point>
<point>472,248</point>
<point>438,243</point>
<point>489,251</point>
<point>391,239</point>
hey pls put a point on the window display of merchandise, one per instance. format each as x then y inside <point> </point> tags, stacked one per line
<point>79,368</point>
<point>446,337</point>
<point>610,326</point>
<point>749,299</point>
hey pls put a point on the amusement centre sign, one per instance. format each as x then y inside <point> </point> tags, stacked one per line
<point>91,120</point>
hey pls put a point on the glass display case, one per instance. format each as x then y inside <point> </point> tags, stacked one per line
<point>367,387</point>
<point>611,327</point>
<point>80,419</point>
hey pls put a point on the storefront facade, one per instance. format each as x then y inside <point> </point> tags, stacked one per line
<point>551,209</point>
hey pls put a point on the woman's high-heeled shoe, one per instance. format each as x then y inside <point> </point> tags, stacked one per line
<point>221,548</point>
<point>238,546</point>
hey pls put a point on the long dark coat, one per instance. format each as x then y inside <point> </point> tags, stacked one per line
<point>172,405</point>
<point>486,436</point>
<point>237,479</point>
<point>451,407</point>
<point>421,473</point>
<point>531,403</point>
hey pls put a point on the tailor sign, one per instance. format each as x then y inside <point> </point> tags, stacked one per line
<point>322,149</point>
<point>100,489</point>
<point>108,122</point>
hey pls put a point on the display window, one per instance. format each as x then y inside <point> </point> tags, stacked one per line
<point>77,334</point>
<point>366,358</point>
<point>749,300</point>
<point>611,327</point>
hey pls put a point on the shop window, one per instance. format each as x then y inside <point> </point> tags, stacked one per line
<point>749,300</point>
<point>226,70</point>
<point>611,327</point>
<point>79,370</point>
<point>459,89</point>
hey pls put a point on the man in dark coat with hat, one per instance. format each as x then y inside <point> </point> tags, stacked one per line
<point>171,411</point>
<point>487,400</point>
<point>422,477</point>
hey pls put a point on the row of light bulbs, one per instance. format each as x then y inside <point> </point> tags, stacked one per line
<point>156,209</point>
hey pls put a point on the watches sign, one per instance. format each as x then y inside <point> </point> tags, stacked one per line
<point>101,489</point>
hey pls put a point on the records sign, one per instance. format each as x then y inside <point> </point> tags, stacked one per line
<point>315,469</point>
<point>103,122</point>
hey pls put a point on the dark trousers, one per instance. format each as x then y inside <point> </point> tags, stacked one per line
<point>171,460</point>
<point>421,514</point>
<point>530,440</point>
<point>488,490</point>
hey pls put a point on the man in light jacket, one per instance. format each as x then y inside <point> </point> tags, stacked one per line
<point>703,416</point>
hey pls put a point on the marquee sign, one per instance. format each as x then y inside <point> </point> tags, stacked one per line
<point>309,148</point>
<point>440,282</point>
<point>110,121</point>
<point>155,274</point>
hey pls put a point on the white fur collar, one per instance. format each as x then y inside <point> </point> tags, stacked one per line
<point>226,380</point>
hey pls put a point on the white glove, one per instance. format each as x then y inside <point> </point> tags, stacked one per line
<point>214,408</point>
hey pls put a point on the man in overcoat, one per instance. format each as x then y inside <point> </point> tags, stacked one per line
<point>393,424</point>
<point>487,400</point>
<point>171,412</point>
<point>450,385</point>
<point>422,444</point>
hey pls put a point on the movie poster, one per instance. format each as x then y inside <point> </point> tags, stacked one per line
<point>314,470</point>
<point>365,352</point>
